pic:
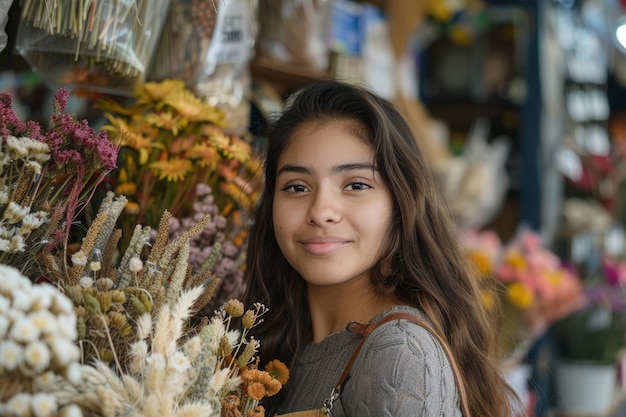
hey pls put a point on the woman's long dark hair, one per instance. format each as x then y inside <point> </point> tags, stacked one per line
<point>422,263</point>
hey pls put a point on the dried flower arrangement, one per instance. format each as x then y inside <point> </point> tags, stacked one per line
<point>106,45</point>
<point>46,179</point>
<point>144,351</point>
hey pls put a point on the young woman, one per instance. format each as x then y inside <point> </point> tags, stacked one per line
<point>351,229</point>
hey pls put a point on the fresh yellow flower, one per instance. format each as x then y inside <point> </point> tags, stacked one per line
<point>515,259</point>
<point>166,120</point>
<point>217,138</point>
<point>151,92</point>
<point>520,295</point>
<point>132,207</point>
<point>193,108</point>
<point>482,262</point>
<point>174,169</point>
<point>206,155</point>
<point>238,150</point>
<point>126,188</point>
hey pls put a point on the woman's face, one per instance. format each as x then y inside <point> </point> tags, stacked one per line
<point>332,211</point>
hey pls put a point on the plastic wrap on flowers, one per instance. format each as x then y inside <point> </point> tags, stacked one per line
<point>225,79</point>
<point>182,48</point>
<point>103,46</point>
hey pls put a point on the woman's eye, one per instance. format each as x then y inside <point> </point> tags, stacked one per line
<point>294,188</point>
<point>357,186</point>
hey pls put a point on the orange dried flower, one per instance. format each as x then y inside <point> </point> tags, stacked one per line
<point>256,391</point>
<point>278,370</point>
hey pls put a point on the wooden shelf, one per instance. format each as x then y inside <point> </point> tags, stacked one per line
<point>285,78</point>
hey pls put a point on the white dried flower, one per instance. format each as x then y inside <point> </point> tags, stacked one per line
<point>10,278</point>
<point>5,304</point>
<point>179,362</point>
<point>64,351</point>
<point>37,356</point>
<point>79,258</point>
<point>24,330</point>
<point>4,197</point>
<point>33,221</point>
<point>70,410</point>
<point>74,373</point>
<point>8,232</point>
<point>95,266</point>
<point>34,166</point>
<point>193,347</point>
<point>11,355</point>
<point>44,321</point>
<point>45,381</point>
<point>14,213</point>
<point>86,281</point>
<point>4,321</point>
<point>21,299</point>
<point>68,328</point>
<point>62,305</point>
<point>4,245</point>
<point>42,295</point>
<point>19,405</point>
<point>135,264</point>
<point>219,380</point>
<point>35,146</point>
<point>17,244</point>
<point>44,405</point>
<point>16,146</point>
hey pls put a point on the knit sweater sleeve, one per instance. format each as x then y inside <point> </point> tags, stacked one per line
<point>402,371</point>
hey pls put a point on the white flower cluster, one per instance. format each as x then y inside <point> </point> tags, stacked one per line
<point>25,157</point>
<point>37,334</point>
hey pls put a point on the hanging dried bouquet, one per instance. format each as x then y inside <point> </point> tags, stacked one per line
<point>101,45</point>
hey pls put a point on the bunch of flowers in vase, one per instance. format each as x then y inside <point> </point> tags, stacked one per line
<point>596,332</point>
<point>533,290</point>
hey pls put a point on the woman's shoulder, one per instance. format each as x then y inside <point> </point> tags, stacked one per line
<point>398,330</point>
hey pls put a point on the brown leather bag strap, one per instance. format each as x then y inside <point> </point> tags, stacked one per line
<point>366,328</point>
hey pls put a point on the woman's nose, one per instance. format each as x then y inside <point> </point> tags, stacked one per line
<point>324,208</point>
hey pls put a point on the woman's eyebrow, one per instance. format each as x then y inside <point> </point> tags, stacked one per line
<point>354,166</point>
<point>335,169</point>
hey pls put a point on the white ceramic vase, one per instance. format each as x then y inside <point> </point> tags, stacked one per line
<point>585,388</point>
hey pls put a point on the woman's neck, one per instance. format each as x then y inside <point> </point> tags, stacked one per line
<point>332,308</point>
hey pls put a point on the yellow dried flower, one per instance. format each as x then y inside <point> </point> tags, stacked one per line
<point>234,308</point>
<point>224,348</point>
<point>248,319</point>
<point>104,300</point>
<point>116,319</point>
<point>118,296</point>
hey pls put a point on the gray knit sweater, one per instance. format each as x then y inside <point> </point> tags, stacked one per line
<point>402,370</point>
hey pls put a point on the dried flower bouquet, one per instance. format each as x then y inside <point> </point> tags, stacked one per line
<point>143,350</point>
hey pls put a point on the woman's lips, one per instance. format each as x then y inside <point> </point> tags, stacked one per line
<point>323,247</point>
